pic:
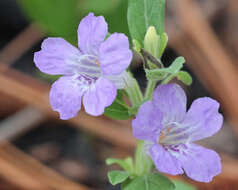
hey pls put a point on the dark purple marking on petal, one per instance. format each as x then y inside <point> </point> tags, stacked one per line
<point>164,160</point>
<point>100,95</point>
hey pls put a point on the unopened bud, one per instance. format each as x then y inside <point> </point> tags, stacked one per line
<point>151,41</point>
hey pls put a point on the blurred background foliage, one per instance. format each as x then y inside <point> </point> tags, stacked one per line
<point>61,19</point>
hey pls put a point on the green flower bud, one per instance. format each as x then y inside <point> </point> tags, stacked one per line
<point>154,43</point>
<point>151,41</point>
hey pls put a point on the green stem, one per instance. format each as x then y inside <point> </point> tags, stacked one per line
<point>138,94</point>
<point>169,78</point>
<point>143,163</point>
<point>149,90</point>
<point>138,158</point>
<point>133,90</point>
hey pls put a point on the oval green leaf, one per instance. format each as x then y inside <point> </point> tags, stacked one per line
<point>115,177</point>
<point>144,13</point>
<point>185,77</point>
<point>152,181</point>
<point>118,110</point>
<point>180,185</point>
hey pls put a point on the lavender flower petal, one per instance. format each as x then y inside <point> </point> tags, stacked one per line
<point>55,56</point>
<point>82,69</point>
<point>171,100</point>
<point>173,151</point>
<point>115,55</point>
<point>92,31</point>
<point>65,96</point>
<point>147,124</point>
<point>203,119</point>
<point>201,164</point>
<point>118,80</point>
<point>99,96</point>
<point>164,161</point>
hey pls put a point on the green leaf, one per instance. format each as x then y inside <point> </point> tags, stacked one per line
<point>48,78</point>
<point>115,177</point>
<point>118,110</point>
<point>134,109</point>
<point>185,77</point>
<point>117,17</point>
<point>126,164</point>
<point>61,18</point>
<point>120,162</point>
<point>176,65</point>
<point>55,16</point>
<point>129,162</point>
<point>156,74</point>
<point>143,163</point>
<point>152,181</point>
<point>174,69</point>
<point>98,5</point>
<point>162,44</point>
<point>160,74</point>
<point>132,89</point>
<point>142,14</point>
<point>114,11</point>
<point>180,185</point>
<point>136,46</point>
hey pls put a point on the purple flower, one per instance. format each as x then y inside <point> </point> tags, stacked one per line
<point>169,133</point>
<point>92,73</point>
